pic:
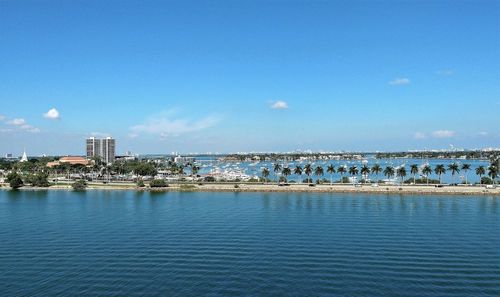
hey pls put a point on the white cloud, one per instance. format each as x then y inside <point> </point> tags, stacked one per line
<point>99,134</point>
<point>483,133</point>
<point>419,135</point>
<point>445,72</point>
<point>5,130</point>
<point>168,124</point>
<point>279,105</point>
<point>17,122</point>
<point>52,114</point>
<point>443,134</point>
<point>2,117</point>
<point>399,81</point>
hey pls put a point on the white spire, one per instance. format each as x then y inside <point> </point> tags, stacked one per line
<point>24,158</point>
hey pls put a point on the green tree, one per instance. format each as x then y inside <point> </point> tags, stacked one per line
<point>414,172</point>
<point>79,185</point>
<point>480,171</point>
<point>298,172</point>
<point>342,170</point>
<point>365,171</point>
<point>493,172</point>
<point>427,170</point>
<point>145,169</point>
<point>194,170</point>
<point>286,172</point>
<point>14,179</point>
<point>454,168</point>
<point>308,171</point>
<point>265,173</point>
<point>389,172</point>
<point>331,170</point>
<point>353,171</point>
<point>376,169</point>
<point>277,168</point>
<point>318,172</point>
<point>440,170</point>
<point>158,183</point>
<point>466,168</point>
<point>401,172</point>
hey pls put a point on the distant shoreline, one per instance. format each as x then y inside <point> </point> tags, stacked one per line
<point>293,188</point>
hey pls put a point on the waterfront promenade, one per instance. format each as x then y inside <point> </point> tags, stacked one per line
<point>302,188</point>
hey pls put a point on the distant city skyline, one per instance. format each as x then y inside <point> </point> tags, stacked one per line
<point>226,76</point>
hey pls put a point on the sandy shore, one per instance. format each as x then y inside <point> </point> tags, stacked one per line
<point>337,188</point>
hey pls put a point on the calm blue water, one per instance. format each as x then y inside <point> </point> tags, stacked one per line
<point>99,243</point>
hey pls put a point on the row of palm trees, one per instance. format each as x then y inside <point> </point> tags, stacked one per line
<point>389,171</point>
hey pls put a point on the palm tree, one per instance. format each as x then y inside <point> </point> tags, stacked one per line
<point>318,172</point>
<point>365,171</point>
<point>493,172</point>
<point>389,172</point>
<point>341,170</point>
<point>401,172</point>
<point>466,168</point>
<point>276,169</point>
<point>331,169</point>
<point>265,173</point>
<point>194,170</point>
<point>376,169</point>
<point>427,170</point>
<point>440,170</point>
<point>480,171</point>
<point>286,172</point>
<point>298,171</point>
<point>414,171</point>
<point>454,168</point>
<point>353,171</point>
<point>308,171</point>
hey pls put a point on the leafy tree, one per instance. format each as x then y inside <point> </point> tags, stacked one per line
<point>318,172</point>
<point>493,172</point>
<point>158,183</point>
<point>15,181</point>
<point>194,170</point>
<point>466,168</point>
<point>298,172</point>
<point>376,169</point>
<point>440,170</point>
<point>427,170</point>
<point>145,169</point>
<point>480,171</point>
<point>342,170</point>
<point>365,171</point>
<point>414,171</point>
<point>39,179</point>
<point>331,170</point>
<point>389,172</point>
<point>265,173</point>
<point>286,172</point>
<point>79,185</point>
<point>401,172</point>
<point>454,168</point>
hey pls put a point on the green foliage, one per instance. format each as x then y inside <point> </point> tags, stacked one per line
<point>15,181</point>
<point>145,169</point>
<point>39,179</point>
<point>140,183</point>
<point>236,186</point>
<point>187,187</point>
<point>486,180</point>
<point>79,185</point>
<point>422,180</point>
<point>158,183</point>
<point>209,179</point>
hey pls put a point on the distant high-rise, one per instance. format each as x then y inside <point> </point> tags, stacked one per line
<point>104,148</point>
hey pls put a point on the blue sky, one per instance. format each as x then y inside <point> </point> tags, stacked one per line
<point>227,76</point>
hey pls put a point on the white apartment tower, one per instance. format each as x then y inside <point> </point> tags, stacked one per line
<point>104,148</point>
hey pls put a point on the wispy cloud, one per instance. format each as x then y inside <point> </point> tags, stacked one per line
<point>443,134</point>
<point>52,114</point>
<point>445,72</point>
<point>170,124</point>
<point>17,122</point>
<point>399,81</point>
<point>2,117</point>
<point>23,125</point>
<point>99,134</point>
<point>419,135</point>
<point>483,133</point>
<point>279,105</point>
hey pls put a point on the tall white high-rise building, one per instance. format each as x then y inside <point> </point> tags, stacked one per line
<point>104,148</point>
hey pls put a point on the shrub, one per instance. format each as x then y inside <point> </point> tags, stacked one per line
<point>15,181</point>
<point>209,179</point>
<point>79,185</point>
<point>140,183</point>
<point>236,186</point>
<point>187,187</point>
<point>486,180</point>
<point>158,183</point>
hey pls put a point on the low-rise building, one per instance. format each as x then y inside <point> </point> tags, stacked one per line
<point>72,160</point>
